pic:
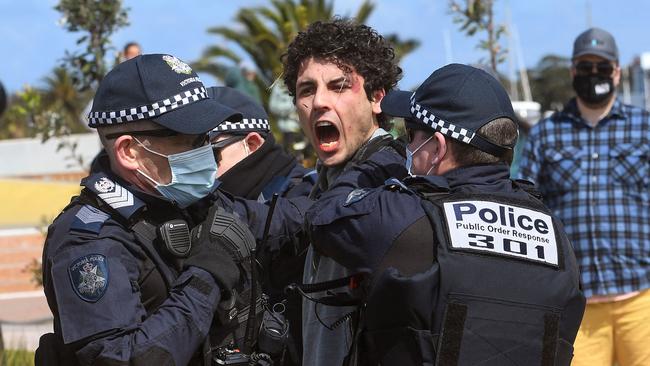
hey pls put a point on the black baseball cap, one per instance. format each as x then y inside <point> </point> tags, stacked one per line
<point>160,88</point>
<point>595,41</point>
<point>254,117</point>
<point>456,100</point>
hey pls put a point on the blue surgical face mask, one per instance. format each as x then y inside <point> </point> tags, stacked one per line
<point>409,156</point>
<point>193,175</point>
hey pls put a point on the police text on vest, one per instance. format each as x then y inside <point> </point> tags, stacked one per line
<point>502,230</point>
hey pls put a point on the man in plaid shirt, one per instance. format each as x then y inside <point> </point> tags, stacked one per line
<point>591,163</point>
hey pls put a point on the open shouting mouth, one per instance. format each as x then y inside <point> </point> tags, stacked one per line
<point>327,136</point>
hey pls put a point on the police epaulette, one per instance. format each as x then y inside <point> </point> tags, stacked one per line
<point>394,184</point>
<point>89,219</point>
<point>310,177</point>
<point>428,183</point>
<point>113,194</point>
<point>528,186</point>
<point>277,185</point>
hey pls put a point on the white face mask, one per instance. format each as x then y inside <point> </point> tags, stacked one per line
<point>193,174</point>
<point>409,156</point>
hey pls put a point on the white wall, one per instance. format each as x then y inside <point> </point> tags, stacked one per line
<point>20,157</point>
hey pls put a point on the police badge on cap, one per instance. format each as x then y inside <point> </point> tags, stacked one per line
<point>161,88</point>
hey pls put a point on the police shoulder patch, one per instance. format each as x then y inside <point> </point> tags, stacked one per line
<point>356,196</point>
<point>89,277</point>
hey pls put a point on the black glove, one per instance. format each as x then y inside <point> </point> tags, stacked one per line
<point>221,245</point>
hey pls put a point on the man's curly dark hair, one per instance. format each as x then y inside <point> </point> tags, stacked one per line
<point>352,47</point>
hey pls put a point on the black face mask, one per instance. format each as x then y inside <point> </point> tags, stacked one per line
<point>593,88</point>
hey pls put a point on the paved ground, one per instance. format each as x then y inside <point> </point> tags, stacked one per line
<point>28,206</point>
<point>18,249</point>
<point>24,316</point>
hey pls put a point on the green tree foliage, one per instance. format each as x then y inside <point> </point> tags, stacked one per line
<point>17,357</point>
<point>56,109</point>
<point>264,33</point>
<point>550,82</point>
<point>97,19</point>
<point>13,123</point>
<point>478,16</point>
<point>52,111</point>
<point>61,95</point>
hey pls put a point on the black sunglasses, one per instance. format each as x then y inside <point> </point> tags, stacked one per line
<point>201,140</point>
<point>604,68</point>
<point>409,136</point>
<point>220,145</point>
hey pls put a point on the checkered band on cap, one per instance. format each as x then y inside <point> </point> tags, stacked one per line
<point>445,128</point>
<point>245,124</point>
<point>147,111</point>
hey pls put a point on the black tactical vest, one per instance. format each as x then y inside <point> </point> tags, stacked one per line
<point>503,290</point>
<point>159,270</point>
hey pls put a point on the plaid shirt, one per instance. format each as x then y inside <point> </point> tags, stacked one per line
<point>596,180</point>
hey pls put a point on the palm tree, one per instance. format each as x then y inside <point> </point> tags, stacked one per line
<point>265,32</point>
<point>61,95</point>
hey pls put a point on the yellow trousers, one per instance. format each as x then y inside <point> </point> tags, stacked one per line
<point>616,331</point>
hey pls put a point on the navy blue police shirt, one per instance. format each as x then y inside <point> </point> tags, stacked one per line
<point>92,263</point>
<point>91,267</point>
<point>298,183</point>
<point>356,226</point>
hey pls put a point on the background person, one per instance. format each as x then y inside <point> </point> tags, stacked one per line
<point>242,77</point>
<point>131,50</point>
<point>590,162</point>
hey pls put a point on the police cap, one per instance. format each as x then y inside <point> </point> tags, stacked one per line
<point>254,117</point>
<point>161,88</point>
<point>456,100</point>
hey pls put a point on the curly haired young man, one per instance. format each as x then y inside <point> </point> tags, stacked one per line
<point>338,72</point>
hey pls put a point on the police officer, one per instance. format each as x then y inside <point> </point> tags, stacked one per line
<point>253,166</point>
<point>123,278</point>
<point>242,147</point>
<point>460,265</point>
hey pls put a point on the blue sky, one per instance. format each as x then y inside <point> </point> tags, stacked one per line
<point>31,42</point>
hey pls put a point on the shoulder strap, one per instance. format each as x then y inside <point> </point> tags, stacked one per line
<point>311,177</point>
<point>376,144</point>
<point>146,234</point>
<point>527,186</point>
<point>278,184</point>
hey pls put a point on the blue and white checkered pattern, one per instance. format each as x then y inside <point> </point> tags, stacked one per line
<point>445,128</point>
<point>147,111</point>
<point>247,124</point>
<point>597,181</point>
